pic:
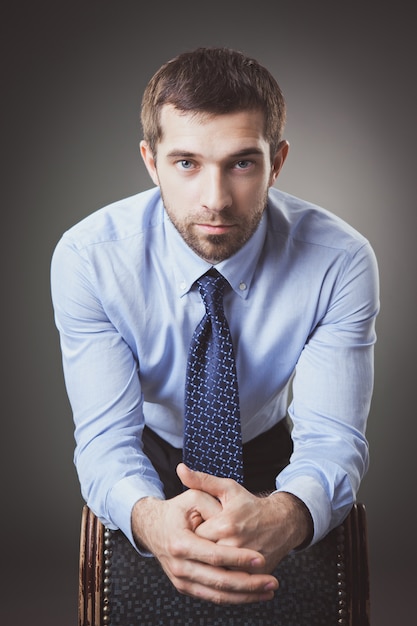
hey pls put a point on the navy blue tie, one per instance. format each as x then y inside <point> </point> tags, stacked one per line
<point>212,432</point>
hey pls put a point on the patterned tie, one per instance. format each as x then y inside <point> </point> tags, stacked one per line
<point>212,435</point>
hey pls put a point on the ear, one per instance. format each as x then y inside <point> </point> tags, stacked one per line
<point>149,160</point>
<point>279,160</point>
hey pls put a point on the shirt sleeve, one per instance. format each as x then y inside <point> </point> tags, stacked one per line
<point>332,391</point>
<point>103,385</point>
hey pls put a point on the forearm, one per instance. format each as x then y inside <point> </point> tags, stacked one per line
<point>326,482</point>
<point>329,413</point>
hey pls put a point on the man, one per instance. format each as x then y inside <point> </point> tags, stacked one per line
<point>301,299</point>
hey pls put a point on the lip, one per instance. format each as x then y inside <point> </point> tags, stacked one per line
<point>215,229</point>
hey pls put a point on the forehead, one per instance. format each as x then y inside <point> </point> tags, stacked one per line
<point>231,131</point>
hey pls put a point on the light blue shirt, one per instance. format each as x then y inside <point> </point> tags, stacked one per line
<point>301,308</point>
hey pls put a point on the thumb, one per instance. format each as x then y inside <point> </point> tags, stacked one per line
<point>213,485</point>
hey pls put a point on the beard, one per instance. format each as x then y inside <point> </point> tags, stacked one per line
<point>211,247</point>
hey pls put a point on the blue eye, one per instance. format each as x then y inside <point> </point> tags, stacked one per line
<point>242,165</point>
<point>184,164</point>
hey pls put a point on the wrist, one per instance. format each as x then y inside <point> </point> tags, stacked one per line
<point>298,517</point>
<point>305,522</point>
<point>142,519</point>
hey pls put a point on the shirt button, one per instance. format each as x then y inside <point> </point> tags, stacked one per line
<point>183,285</point>
<point>242,286</point>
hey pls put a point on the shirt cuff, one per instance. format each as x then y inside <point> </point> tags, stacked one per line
<point>122,499</point>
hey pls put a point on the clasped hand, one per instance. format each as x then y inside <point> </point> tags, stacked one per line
<point>217,541</point>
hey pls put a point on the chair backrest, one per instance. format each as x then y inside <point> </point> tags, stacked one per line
<point>324,585</point>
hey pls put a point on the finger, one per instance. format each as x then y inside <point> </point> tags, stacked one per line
<point>213,485</point>
<point>213,530</point>
<point>188,546</point>
<point>222,586</point>
<point>219,597</point>
<point>203,507</point>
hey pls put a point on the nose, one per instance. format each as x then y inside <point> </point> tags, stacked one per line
<point>215,190</point>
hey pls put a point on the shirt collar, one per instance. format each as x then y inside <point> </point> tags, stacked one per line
<point>239,269</point>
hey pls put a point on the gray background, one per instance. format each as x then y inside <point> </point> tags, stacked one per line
<point>73,75</point>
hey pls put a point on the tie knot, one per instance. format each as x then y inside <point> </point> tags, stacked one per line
<point>211,287</point>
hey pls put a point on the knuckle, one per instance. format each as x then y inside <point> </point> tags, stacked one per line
<point>176,570</point>
<point>252,582</point>
<point>218,585</point>
<point>177,548</point>
<point>181,588</point>
<point>217,599</point>
<point>216,559</point>
<point>227,527</point>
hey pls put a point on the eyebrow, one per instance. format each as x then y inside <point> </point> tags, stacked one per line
<point>185,154</point>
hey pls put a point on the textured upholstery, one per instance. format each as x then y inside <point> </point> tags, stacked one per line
<point>325,585</point>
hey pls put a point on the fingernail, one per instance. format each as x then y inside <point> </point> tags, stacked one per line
<point>270,586</point>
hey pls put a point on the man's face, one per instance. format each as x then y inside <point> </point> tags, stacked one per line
<point>214,173</point>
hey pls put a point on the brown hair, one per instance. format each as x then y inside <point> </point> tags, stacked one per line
<point>213,81</point>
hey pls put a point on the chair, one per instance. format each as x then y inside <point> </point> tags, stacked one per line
<point>324,585</point>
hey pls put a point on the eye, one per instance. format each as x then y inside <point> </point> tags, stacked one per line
<point>184,164</point>
<point>243,165</point>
